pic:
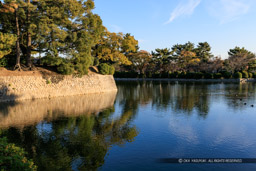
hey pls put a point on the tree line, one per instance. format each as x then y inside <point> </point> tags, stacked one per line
<point>190,61</point>
<point>67,36</point>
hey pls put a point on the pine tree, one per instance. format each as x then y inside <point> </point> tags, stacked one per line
<point>7,41</point>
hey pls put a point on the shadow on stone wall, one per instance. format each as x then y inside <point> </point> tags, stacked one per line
<point>5,95</point>
<point>31,112</point>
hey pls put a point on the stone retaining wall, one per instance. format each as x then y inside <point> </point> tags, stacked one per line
<point>14,88</point>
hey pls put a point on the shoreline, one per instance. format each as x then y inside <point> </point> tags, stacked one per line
<point>242,80</point>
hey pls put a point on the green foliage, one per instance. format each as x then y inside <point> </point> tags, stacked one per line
<point>59,30</point>
<point>96,62</point>
<point>190,75</point>
<point>245,74</point>
<point>164,75</point>
<point>115,47</point>
<point>198,75</point>
<point>194,75</point>
<point>149,75</point>
<point>129,44</point>
<point>238,75</point>
<point>238,50</point>
<point>203,51</point>
<point>254,74</point>
<point>217,75</point>
<point>9,60</point>
<point>111,70</point>
<point>51,60</point>
<point>240,59</point>
<point>66,69</point>
<point>126,74</point>
<point>81,69</point>
<point>208,76</point>
<point>48,81</point>
<point>250,75</point>
<point>227,75</point>
<point>182,75</point>
<point>13,158</point>
<point>3,62</point>
<point>104,68</point>
<point>173,74</point>
<point>7,42</point>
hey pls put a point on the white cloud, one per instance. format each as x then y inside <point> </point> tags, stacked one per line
<point>229,10</point>
<point>185,8</point>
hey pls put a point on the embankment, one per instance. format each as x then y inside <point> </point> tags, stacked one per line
<point>13,88</point>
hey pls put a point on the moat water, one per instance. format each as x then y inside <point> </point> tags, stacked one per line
<point>135,127</point>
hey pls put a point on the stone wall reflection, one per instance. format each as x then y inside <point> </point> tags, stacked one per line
<point>26,113</point>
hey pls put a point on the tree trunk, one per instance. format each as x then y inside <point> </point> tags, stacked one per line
<point>29,64</point>
<point>17,66</point>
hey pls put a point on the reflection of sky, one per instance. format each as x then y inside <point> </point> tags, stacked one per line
<point>227,130</point>
<point>44,127</point>
<point>173,120</point>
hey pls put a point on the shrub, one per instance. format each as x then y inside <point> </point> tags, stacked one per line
<point>190,75</point>
<point>198,75</point>
<point>250,75</point>
<point>132,75</point>
<point>65,68</point>
<point>238,75</point>
<point>172,75</point>
<point>48,81</point>
<point>3,62</point>
<point>149,74</point>
<point>142,75</point>
<point>245,74</point>
<point>51,60</point>
<point>156,75</point>
<point>118,74</point>
<point>104,68</point>
<point>208,76</point>
<point>164,75</point>
<point>82,69</point>
<point>111,70</point>
<point>217,75</point>
<point>254,75</point>
<point>13,157</point>
<point>182,75</point>
<point>227,75</point>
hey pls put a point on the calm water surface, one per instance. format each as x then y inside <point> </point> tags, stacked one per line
<point>131,129</point>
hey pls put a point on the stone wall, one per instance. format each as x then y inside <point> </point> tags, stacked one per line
<point>14,88</point>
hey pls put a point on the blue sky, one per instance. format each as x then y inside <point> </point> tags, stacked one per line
<point>224,24</point>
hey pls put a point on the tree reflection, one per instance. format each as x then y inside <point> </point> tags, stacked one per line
<point>239,94</point>
<point>76,136</point>
<point>193,96</point>
<point>180,97</point>
<point>75,143</point>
